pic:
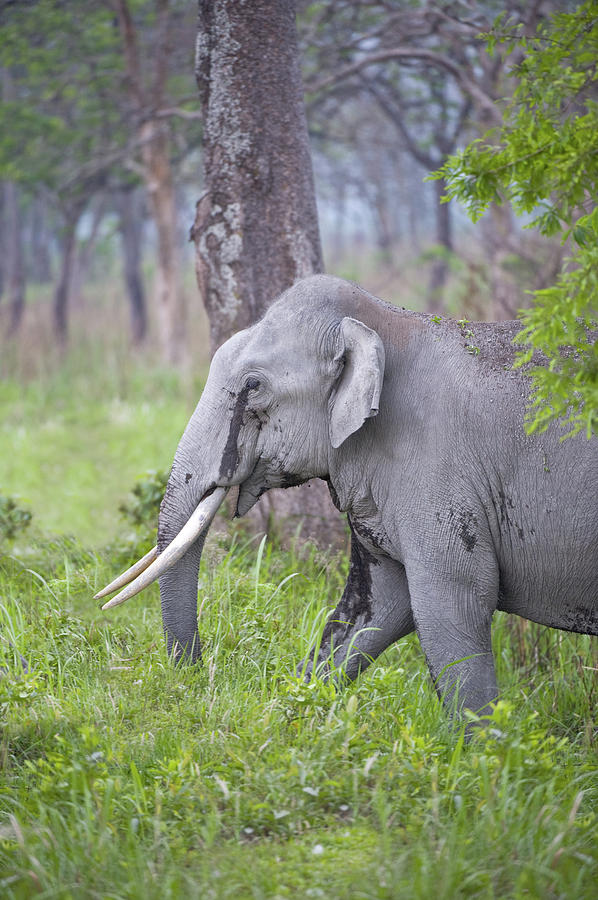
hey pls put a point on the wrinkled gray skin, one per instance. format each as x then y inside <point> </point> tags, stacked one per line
<point>454,511</point>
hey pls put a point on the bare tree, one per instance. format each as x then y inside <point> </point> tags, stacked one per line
<point>127,201</point>
<point>13,263</point>
<point>39,260</point>
<point>256,227</point>
<point>2,261</point>
<point>14,269</point>
<point>425,67</point>
<point>146,85</point>
<point>68,255</point>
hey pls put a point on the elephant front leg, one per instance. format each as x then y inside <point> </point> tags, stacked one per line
<point>453,624</point>
<point>374,612</point>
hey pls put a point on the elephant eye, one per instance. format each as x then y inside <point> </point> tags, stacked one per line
<point>252,384</point>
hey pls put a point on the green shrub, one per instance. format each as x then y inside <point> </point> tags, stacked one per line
<point>13,517</point>
<point>142,510</point>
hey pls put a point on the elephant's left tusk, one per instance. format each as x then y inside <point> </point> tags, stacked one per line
<point>129,575</point>
<point>197,523</point>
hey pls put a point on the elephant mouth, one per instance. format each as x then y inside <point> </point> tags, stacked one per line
<point>252,489</point>
<point>262,479</point>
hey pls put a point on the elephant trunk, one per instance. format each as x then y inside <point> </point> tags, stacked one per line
<point>178,596</point>
<point>178,586</point>
<point>193,495</point>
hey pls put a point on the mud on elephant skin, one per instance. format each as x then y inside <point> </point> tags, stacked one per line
<point>454,511</point>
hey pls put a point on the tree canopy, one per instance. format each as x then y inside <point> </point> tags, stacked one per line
<point>543,159</point>
<point>70,120</point>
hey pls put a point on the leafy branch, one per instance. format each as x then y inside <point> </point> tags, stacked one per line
<point>543,159</point>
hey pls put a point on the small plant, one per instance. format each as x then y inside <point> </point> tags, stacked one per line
<point>13,517</point>
<point>17,692</point>
<point>468,335</point>
<point>142,510</point>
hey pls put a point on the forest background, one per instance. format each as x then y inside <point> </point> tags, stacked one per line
<point>120,776</point>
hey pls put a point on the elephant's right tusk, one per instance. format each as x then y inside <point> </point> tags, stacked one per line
<point>129,575</point>
<point>197,523</point>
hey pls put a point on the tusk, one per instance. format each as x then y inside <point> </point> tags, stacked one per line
<point>198,522</point>
<point>129,575</point>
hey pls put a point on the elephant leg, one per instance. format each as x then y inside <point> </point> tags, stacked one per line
<point>454,628</point>
<point>374,611</point>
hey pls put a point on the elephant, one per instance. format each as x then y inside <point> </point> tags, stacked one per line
<point>416,423</point>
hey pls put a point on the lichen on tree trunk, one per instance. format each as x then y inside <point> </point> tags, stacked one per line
<point>256,226</point>
<point>256,229</point>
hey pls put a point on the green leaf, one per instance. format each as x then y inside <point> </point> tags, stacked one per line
<point>544,160</point>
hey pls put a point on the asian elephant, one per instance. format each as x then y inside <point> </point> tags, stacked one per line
<point>416,424</point>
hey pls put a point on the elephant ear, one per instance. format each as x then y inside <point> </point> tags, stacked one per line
<point>358,388</point>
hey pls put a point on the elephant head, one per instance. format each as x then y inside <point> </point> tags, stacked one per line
<point>281,399</point>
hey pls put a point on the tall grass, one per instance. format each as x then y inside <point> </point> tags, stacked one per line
<point>123,776</point>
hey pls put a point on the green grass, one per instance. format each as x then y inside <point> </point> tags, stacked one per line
<point>72,448</point>
<point>122,776</point>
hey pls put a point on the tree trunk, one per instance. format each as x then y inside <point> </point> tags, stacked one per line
<point>340,209</point>
<point>40,265</point>
<point>497,230</point>
<point>157,172</point>
<point>85,252</point>
<point>256,229</point>
<point>170,303</point>
<point>444,229</point>
<point>381,213</point>
<point>256,226</point>
<point>14,269</point>
<point>13,265</point>
<point>130,233</point>
<point>2,241</point>
<point>63,287</point>
<point>415,207</point>
<point>444,239</point>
